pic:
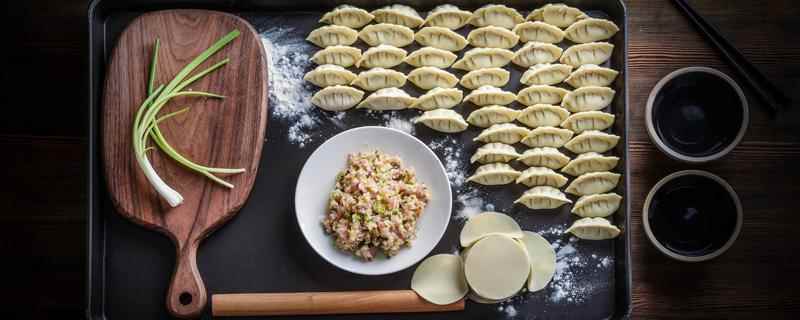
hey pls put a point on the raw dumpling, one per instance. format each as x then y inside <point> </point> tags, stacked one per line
<point>398,14</point>
<point>489,115</point>
<point>592,141</point>
<point>439,98</point>
<point>337,98</point>
<point>587,53</point>
<point>379,78</point>
<point>388,99</point>
<point>543,115</point>
<point>427,78</point>
<point>486,95</point>
<point>441,38</point>
<point>339,55</point>
<point>496,77</point>
<point>448,16</point>
<point>541,176</point>
<point>547,137</point>
<point>541,94</point>
<point>494,152</point>
<point>597,205</point>
<point>496,15</point>
<point>588,99</point>
<point>348,16</point>
<point>543,197</point>
<point>382,56</point>
<point>559,15</point>
<point>591,75</point>
<point>443,120</point>
<point>542,258</point>
<point>590,162</point>
<point>547,157</point>
<point>332,36</point>
<point>431,57</point>
<point>385,33</point>
<point>494,174</point>
<point>440,279</point>
<point>492,37</point>
<point>480,58</point>
<point>536,52</point>
<point>546,73</point>
<point>328,75</point>
<point>593,229</point>
<point>507,133</point>
<point>538,31</point>
<point>589,120</point>
<point>591,29</point>
<point>593,183</point>
<point>487,224</point>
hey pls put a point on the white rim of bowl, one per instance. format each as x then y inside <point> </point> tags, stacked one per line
<point>677,256</point>
<point>308,241</point>
<point>651,131</point>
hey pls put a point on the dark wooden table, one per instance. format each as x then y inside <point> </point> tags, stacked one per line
<point>43,155</point>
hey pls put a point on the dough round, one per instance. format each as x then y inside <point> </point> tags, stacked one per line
<point>542,258</point>
<point>477,298</point>
<point>497,267</point>
<point>440,279</point>
<point>488,223</point>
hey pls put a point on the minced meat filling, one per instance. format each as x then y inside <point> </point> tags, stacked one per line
<point>375,205</point>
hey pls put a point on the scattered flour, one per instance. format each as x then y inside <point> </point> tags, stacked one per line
<point>455,166</point>
<point>289,94</point>
<point>471,204</point>
<point>393,121</point>
<point>569,283</point>
<point>510,311</point>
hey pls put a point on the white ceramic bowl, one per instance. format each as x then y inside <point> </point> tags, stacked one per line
<point>317,180</point>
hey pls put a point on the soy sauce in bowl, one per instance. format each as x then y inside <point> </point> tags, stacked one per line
<point>692,215</point>
<point>696,114</point>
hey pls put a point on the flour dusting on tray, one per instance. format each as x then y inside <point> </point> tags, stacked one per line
<point>392,120</point>
<point>289,94</point>
<point>568,284</point>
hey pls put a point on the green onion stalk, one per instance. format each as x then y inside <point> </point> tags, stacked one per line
<point>146,121</point>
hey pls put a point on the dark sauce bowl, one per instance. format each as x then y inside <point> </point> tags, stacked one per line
<point>696,114</point>
<point>692,215</point>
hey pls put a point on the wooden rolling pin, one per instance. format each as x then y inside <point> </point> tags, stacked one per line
<point>310,303</point>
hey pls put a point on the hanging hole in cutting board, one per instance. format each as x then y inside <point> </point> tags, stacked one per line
<point>185,298</point>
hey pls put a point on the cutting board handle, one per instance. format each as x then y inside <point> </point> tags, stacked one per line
<point>187,293</point>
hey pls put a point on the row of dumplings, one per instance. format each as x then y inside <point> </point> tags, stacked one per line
<point>544,24</point>
<point>446,39</point>
<point>532,53</point>
<point>540,114</point>
<point>585,101</point>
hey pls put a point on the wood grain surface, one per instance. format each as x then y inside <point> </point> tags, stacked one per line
<point>44,200</point>
<point>226,133</point>
<point>319,303</point>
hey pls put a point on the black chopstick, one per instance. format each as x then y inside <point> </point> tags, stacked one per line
<point>769,94</point>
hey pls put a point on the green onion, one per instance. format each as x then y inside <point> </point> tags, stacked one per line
<point>146,120</point>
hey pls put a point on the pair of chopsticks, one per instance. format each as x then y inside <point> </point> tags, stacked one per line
<point>767,92</point>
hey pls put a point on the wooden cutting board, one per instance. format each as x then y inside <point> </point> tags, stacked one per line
<point>217,133</point>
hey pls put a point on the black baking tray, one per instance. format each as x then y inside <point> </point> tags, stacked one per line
<point>261,249</point>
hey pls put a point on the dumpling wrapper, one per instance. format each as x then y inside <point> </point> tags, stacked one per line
<point>542,258</point>
<point>497,267</point>
<point>486,224</point>
<point>477,298</point>
<point>440,279</point>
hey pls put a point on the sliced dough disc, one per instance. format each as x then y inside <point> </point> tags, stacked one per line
<point>542,258</point>
<point>440,279</point>
<point>477,298</point>
<point>497,267</point>
<point>488,223</point>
